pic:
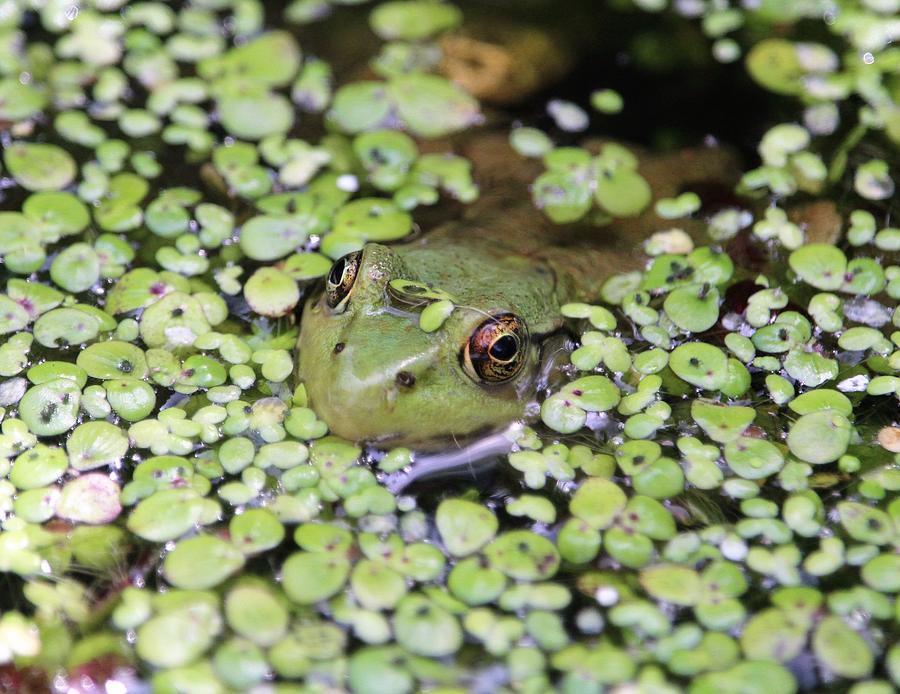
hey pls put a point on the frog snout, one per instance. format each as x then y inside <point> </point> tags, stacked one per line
<point>369,377</point>
<point>386,384</point>
<point>394,388</point>
<point>403,379</point>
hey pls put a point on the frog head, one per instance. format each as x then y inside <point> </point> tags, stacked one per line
<point>373,374</point>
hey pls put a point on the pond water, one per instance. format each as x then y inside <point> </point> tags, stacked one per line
<point>613,285</point>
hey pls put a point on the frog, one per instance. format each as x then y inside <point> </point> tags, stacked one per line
<point>374,375</point>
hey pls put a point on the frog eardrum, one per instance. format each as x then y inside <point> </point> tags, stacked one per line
<point>340,280</point>
<point>497,349</point>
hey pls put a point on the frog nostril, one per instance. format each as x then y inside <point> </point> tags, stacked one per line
<point>339,347</point>
<point>405,379</point>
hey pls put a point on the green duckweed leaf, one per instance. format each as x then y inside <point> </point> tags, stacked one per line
<point>174,321</point>
<point>694,308</point>
<point>360,106</point>
<point>413,20</point>
<point>819,265</point>
<point>465,526</point>
<point>374,670</point>
<point>38,467</point>
<point>372,219</point>
<point>91,498</point>
<point>201,562</point>
<point>113,359</point>
<point>425,628</point>
<point>700,364</point>
<point>475,584</point>
<point>773,63</point>
<point>310,577</point>
<point>268,238</point>
<point>523,555</point>
<point>435,314</point>
<point>306,266</point>
<point>866,524</point>
<point>39,166</point>
<point>256,115</point>
<point>721,423</point>
<point>255,530</point>
<point>592,393</point>
<point>821,399</point>
<point>377,586</point>
<point>166,515</point>
<point>272,58</point>
<point>19,101</point>
<point>58,213</point>
<point>671,583</point>
<point>271,292</point>
<point>597,502</point>
<point>561,414</point>
<point>841,650</point>
<point>820,437</point>
<point>757,641</point>
<point>179,635</point>
<point>13,316</point>
<point>51,408</point>
<point>622,192</point>
<point>431,106</point>
<point>96,444</point>
<point>76,269</point>
<point>255,612</point>
<point>752,458</point>
<point>130,398</point>
<point>882,573</point>
<point>607,101</point>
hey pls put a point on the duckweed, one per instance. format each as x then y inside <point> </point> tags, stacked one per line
<point>707,501</point>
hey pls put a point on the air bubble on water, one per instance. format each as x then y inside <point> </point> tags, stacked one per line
<point>607,596</point>
<point>348,183</point>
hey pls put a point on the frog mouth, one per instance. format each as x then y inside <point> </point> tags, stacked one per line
<point>479,455</point>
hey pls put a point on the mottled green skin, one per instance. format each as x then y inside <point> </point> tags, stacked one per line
<point>356,391</point>
<point>502,257</point>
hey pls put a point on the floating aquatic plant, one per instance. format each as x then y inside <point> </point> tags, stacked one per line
<point>707,500</point>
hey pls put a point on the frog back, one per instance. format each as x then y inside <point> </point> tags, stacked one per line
<point>489,275</point>
<point>580,257</point>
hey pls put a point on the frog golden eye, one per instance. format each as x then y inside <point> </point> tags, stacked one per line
<point>339,282</point>
<point>497,349</point>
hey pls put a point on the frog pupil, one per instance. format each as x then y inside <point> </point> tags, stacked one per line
<point>504,348</point>
<point>337,271</point>
<point>340,279</point>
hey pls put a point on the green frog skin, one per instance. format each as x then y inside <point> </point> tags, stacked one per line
<point>372,374</point>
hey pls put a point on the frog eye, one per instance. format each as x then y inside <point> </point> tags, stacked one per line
<point>497,349</point>
<point>339,282</point>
